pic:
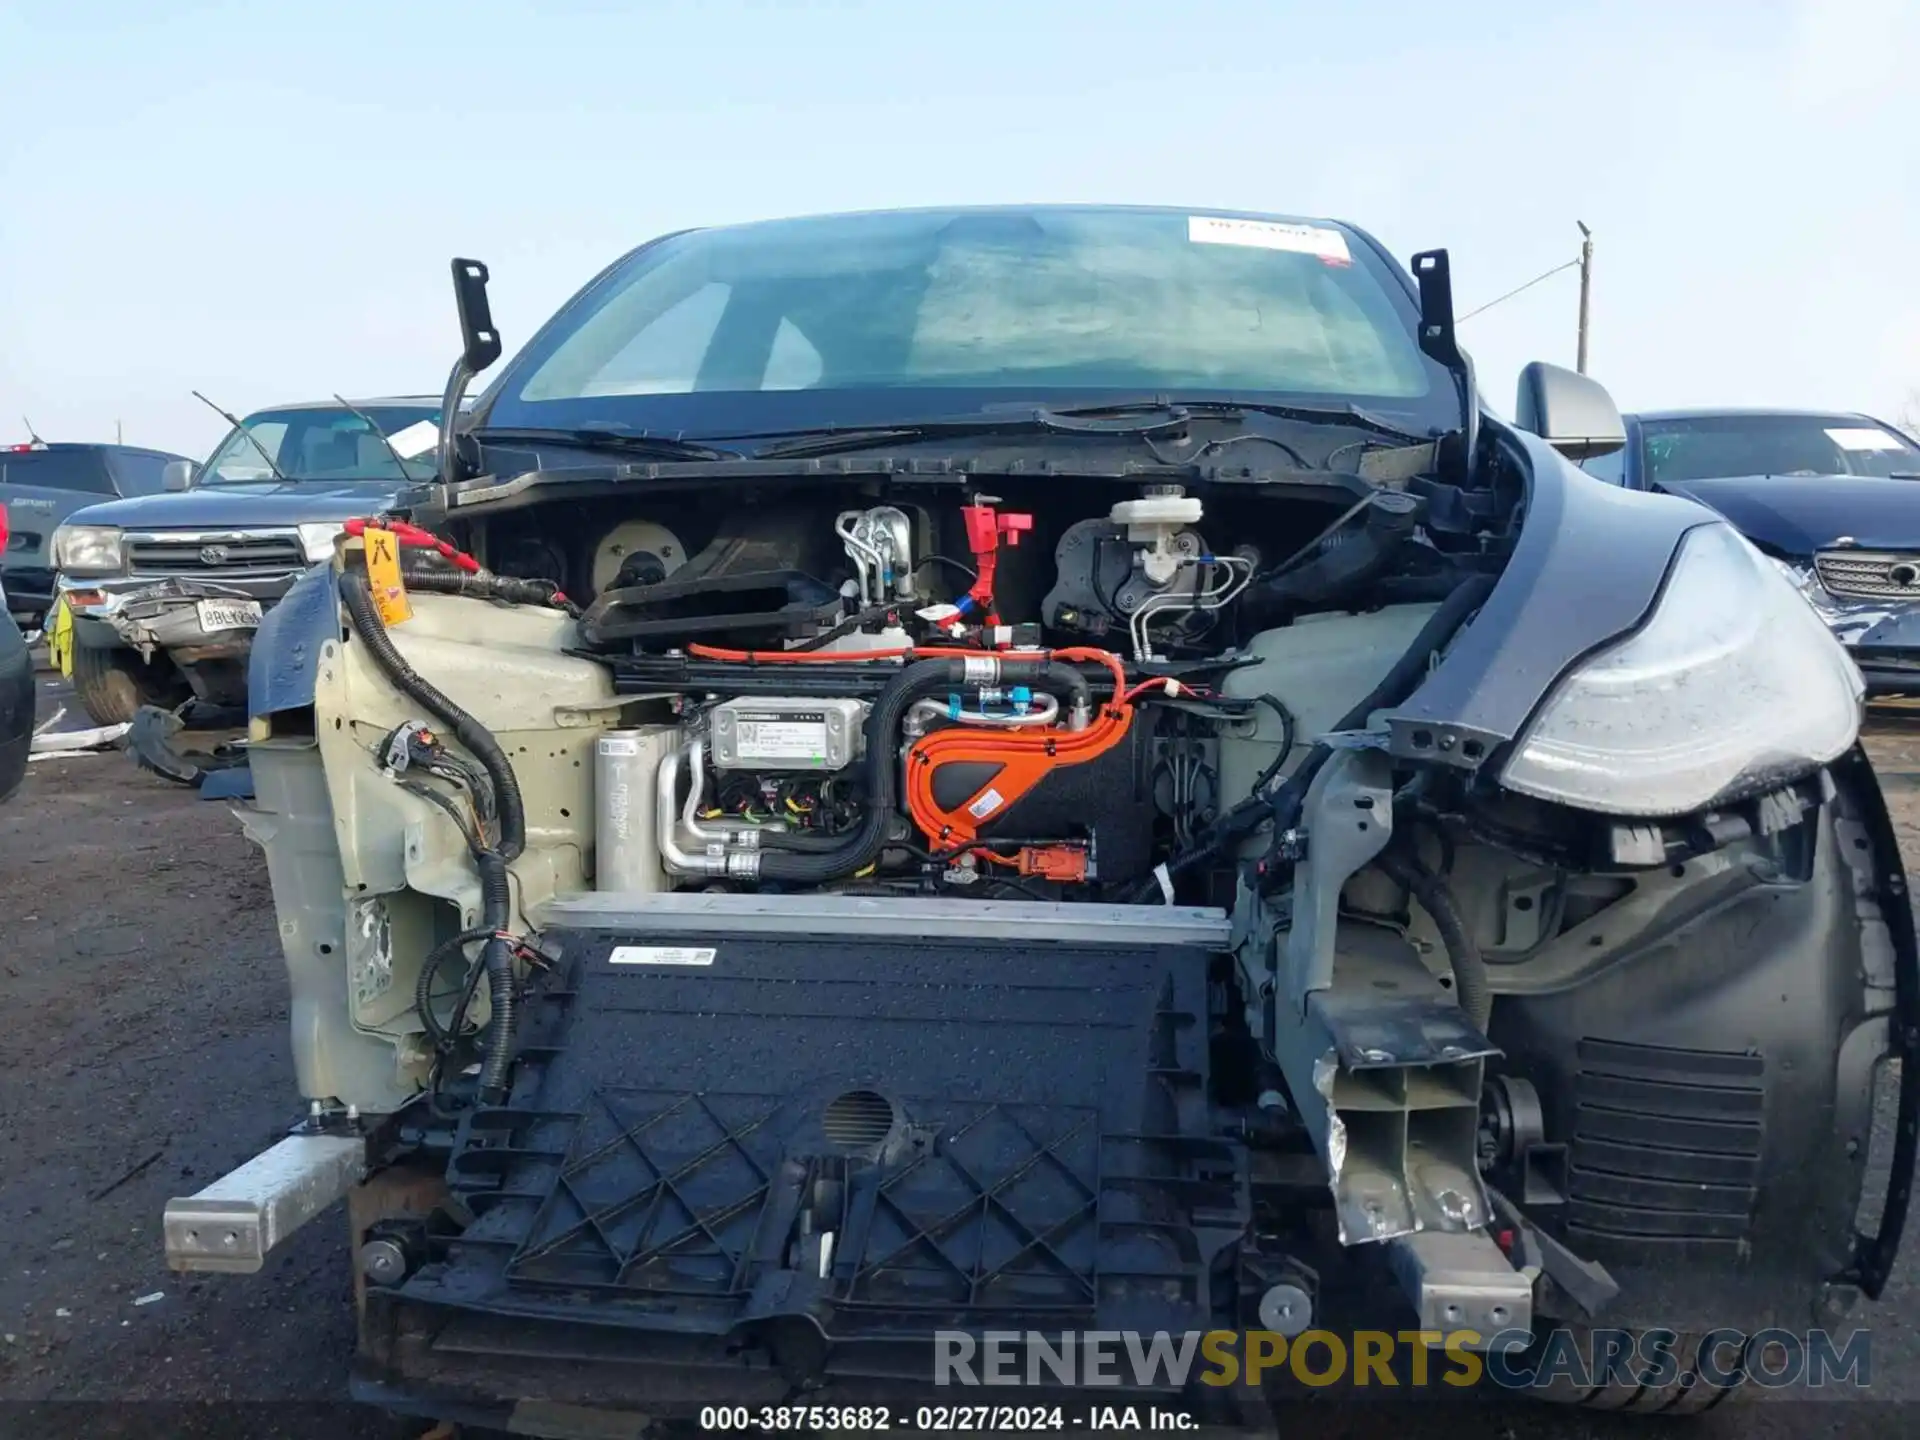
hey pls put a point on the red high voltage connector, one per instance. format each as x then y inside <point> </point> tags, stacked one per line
<point>985,529</point>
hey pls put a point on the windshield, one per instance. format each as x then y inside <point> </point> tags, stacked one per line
<point>322,444</point>
<point>862,317</point>
<point>1710,447</point>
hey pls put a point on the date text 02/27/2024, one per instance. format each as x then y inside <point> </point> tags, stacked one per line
<point>938,1419</point>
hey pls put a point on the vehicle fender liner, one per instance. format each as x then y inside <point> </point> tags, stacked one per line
<point>1715,1088</point>
<point>1874,1254</point>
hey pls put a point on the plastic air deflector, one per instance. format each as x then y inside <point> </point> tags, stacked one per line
<point>995,1132</point>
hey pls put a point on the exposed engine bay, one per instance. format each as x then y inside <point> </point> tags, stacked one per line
<point>964,698</point>
<point>757,822</point>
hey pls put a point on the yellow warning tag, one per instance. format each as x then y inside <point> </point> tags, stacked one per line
<point>60,638</point>
<point>383,570</point>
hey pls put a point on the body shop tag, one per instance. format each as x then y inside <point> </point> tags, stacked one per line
<point>383,570</point>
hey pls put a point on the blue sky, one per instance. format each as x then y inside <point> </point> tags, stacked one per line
<point>260,200</point>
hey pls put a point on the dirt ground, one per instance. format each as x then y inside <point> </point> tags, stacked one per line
<point>144,1053</point>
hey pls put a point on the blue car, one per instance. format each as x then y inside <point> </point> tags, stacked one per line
<point>1829,496</point>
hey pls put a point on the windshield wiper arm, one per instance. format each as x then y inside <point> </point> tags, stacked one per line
<point>252,439</point>
<point>374,426</point>
<point>632,442</point>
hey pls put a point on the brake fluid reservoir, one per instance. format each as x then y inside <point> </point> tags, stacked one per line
<point>626,847</point>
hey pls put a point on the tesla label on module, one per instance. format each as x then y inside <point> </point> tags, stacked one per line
<point>783,736</point>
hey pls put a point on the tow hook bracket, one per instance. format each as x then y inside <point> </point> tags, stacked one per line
<point>236,1222</point>
<point>1585,1282</point>
<point>1461,1280</point>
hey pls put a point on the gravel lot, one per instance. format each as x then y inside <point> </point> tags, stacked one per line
<point>145,1054</point>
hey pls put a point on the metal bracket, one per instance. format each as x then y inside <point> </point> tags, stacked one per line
<point>1463,747</point>
<point>1349,815</point>
<point>1386,1073</point>
<point>1463,1282</point>
<point>233,1224</point>
<point>583,713</point>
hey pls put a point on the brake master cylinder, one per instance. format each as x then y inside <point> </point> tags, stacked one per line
<point>1152,522</point>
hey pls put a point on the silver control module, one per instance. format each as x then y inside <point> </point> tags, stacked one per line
<point>787,734</point>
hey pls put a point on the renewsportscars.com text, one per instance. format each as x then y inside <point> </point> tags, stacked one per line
<point>1773,1359</point>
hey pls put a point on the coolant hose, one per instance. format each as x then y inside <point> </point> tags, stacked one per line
<point>1470,987</point>
<point>356,595</point>
<point>914,682</point>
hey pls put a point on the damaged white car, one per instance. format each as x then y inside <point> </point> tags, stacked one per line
<point>1054,769</point>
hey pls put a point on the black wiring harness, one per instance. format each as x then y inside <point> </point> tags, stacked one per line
<point>495,832</point>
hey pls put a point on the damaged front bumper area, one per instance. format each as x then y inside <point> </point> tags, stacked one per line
<point>759,1144</point>
<point>206,628</point>
<point>749,1150</point>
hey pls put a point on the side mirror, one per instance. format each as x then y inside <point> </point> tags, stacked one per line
<point>179,474</point>
<point>1573,414</point>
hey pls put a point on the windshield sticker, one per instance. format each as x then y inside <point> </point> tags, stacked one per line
<point>1862,438</point>
<point>1329,245</point>
<point>416,440</point>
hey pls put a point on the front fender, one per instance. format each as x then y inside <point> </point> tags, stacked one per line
<point>1586,569</point>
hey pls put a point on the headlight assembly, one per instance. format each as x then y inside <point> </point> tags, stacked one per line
<point>316,540</point>
<point>1732,683</point>
<point>88,550</point>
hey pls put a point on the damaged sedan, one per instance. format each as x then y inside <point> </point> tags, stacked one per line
<point>1830,498</point>
<point>1054,769</point>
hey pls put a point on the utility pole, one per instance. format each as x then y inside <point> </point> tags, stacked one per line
<point>1586,290</point>
<point>117,439</point>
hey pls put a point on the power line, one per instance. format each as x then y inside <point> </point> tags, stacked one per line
<point>1571,264</point>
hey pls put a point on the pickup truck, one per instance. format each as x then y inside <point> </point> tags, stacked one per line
<point>166,589</point>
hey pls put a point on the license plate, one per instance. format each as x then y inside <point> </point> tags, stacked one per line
<point>218,615</point>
